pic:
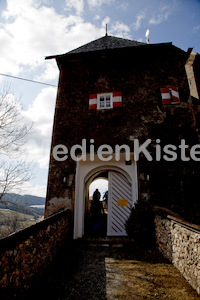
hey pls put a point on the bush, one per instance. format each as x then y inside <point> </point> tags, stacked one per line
<point>140,224</point>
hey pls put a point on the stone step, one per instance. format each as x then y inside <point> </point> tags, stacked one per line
<point>115,242</point>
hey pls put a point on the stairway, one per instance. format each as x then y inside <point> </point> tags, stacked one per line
<point>111,268</point>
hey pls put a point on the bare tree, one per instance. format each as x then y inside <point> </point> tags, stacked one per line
<point>13,133</point>
<point>13,174</point>
<point>13,129</point>
<point>9,223</point>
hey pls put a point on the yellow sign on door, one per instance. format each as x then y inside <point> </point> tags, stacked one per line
<point>122,202</point>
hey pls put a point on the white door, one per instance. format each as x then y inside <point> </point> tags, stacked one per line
<point>119,203</point>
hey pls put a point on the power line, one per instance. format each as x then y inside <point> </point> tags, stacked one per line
<point>25,79</point>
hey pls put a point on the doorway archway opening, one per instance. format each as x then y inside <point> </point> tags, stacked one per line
<point>122,192</point>
<point>100,182</point>
<point>115,204</point>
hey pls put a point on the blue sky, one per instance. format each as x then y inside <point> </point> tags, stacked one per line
<point>33,29</point>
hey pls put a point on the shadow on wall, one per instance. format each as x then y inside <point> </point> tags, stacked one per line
<point>25,255</point>
<point>179,242</point>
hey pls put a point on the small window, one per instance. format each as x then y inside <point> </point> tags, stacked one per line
<point>104,101</point>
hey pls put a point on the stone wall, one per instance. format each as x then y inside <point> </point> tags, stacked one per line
<point>179,242</point>
<point>25,255</point>
<point>139,73</point>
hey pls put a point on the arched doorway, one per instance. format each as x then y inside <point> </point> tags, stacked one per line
<point>118,206</point>
<point>120,175</point>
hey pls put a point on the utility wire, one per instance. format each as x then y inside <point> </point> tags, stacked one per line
<point>39,82</point>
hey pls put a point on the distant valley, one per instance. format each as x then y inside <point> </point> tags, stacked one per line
<point>24,204</point>
<point>19,211</point>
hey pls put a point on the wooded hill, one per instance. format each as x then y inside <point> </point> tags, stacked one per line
<point>23,204</point>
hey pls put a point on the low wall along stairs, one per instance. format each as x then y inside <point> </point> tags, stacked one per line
<point>179,242</point>
<point>25,255</point>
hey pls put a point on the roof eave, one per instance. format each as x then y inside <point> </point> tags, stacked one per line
<point>69,55</point>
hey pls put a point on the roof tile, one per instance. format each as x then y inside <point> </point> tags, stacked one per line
<point>106,42</point>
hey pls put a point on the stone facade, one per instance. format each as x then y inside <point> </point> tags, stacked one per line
<point>25,255</point>
<point>179,242</point>
<point>139,72</point>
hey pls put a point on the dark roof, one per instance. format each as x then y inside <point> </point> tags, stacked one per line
<point>106,42</point>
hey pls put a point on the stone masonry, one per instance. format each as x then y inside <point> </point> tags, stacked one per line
<point>25,255</point>
<point>139,71</point>
<point>179,242</point>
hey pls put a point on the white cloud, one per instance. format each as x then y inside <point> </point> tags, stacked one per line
<point>38,151</point>
<point>161,15</point>
<point>29,34</point>
<point>32,32</point>
<point>36,190</point>
<point>41,112</point>
<point>97,17</point>
<point>139,19</point>
<point>117,29</point>
<point>98,3</point>
<point>78,5</point>
<point>124,6</point>
<point>15,8</point>
<point>42,109</point>
<point>105,21</point>
<point>51,71</point>
<point>196,28</point>
<point>120,29</point>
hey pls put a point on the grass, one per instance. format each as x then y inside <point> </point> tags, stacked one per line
<point>11,221</point>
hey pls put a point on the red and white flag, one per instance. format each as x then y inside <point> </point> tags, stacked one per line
<point>116,100</point>
<point>170,95</point>
<point>166,96</point>
<point>93,101</point>
<point>175,95</point>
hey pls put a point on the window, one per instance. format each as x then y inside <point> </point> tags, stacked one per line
<point>104,101</point>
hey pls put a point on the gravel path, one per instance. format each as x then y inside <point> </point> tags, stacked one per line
<point>112,271</point>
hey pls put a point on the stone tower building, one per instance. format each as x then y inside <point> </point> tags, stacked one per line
<point>115,91</point>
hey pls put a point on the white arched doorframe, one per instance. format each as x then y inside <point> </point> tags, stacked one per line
<point>86,171</point>
<point>95,172</point>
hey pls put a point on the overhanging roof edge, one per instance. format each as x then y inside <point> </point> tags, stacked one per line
<point>69,54</point>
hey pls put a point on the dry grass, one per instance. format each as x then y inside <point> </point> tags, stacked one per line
<point>107,272</point>
<point>135,279</point>
<point>11,221</point>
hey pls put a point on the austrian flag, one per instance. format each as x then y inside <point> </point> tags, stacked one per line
<point>105,101</point>
<point>93,101</point>
<point>170,95</point>
<point>117,99</point>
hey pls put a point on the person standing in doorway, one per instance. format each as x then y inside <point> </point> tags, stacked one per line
<point>96,209</point>
<point>105,198</point>
<point>96,196</point>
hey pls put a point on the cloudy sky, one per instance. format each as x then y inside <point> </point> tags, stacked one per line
<point>33,29</point>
